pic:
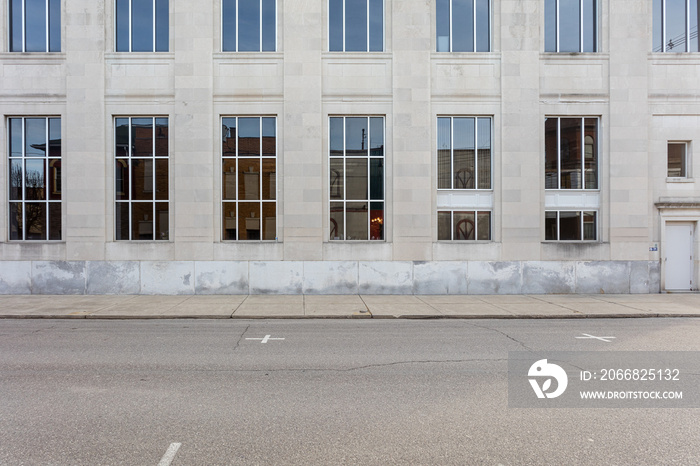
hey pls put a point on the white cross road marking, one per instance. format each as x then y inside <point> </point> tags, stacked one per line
<point>169,454</point>
<point>266,339</point>
<point>589,337</point>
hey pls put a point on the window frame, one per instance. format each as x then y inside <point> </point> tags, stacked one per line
<point>237,201</point>
<point>23,26</point>
<point>582,224</point>
<point>685,161</point>
<point>476,119</point>
<point>581,18</point>
<point>344,28</point>
<point>49,179</point>
<point>476,213</point>
<point>130,29</point>
<point>583,153</point>
<point>379,222</point>
<point>474,29</point>
<point>662,25</point>
<point>129,192</point>
<point>237,29</point>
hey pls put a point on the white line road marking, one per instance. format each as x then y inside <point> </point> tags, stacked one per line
<point>591,337</point>
<point>266,339</point>
<point>169,455</point>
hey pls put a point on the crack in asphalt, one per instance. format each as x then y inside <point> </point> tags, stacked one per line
<point>504,334</point>
<point>238,343</point>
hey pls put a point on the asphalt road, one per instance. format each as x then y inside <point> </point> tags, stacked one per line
<point>331,392</point>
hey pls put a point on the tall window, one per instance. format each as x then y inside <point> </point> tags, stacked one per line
<point>35,25</point>
<point>463,26</point>
<point>571,26</point>
<point>141,178</point>
<point>676,25</point>
<point>249,178</point>
<point>142,25</point>
<point>249,26</point>
<point>464,153</point>
<point>356,171</point>
<point>35,178</point>
<point>356,25</point>
<point>571,153</point>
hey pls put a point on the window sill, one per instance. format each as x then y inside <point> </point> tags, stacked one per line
<point>679,180</point>
<point>32,57</point>
<point>248,55</point>
<point>139,56</point>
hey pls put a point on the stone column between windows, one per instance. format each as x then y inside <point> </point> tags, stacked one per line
<point>85,165</point>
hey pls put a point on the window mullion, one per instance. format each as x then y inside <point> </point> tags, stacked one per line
<point>558,153</point>
<point>130,49</point>
<point>450,28</point>
<point>452,154</point>
<point>476,148</point>
<point>24,44</point>
<point>153,50</point>
<point>237,160</point>
<point>556,25</point>
<point>663,25</point>
<point>47,49</point>
<point>343,29</point>
<point>581,18</point>
<point>687,25</point>
<point>474,25</point>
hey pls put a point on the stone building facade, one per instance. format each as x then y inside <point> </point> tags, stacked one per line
<point>348,146</point>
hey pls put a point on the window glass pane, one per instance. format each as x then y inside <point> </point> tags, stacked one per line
<point>142,25</point>
<point>356,178</point>
<point>35,25</point>
<point>694,18</point>
<point>269,179</point>
<point>550,226</point>
<point>376,142</point>
<point>483,25</point>
<point>228,26</point>
<point>675,26</point>
<point>676,160</point>
<point>570,143</point>
<point>34,180</point>
<point>142,179</point>
<point>376,25</point>
<point>16,221</point>
<point>443,25</point>
<point>444,220</point>
<point>658,45</point>
<point>249,221</point>
<point>54,26</point>
<point>569,226</point>
<point>142,137</point>
<point>269,141</point>
<point>228,180</point>
<point>356,136</point>
<point>248,25</point>
<point>35,137</point>
<point>483,226</point>
<point>444,153</point>
<point>55,179</point>
<point>121,173</point>
<point>248,136</point>
<point>162,26</point>
<point>55,222</point>
<point>357,218</point>
<point>122,221</point>
<point>161,137</point>
<point>142,221</point>
<point>462,25</point>
<point>356,25</point>
<point>463,165</point>
<point>54,137</point>
<point>335,25</point>
<point>589,226</point>
<point>551,153</point>
<point>337,224</point>
<point>249,179</point>
<point>162,221</point>
<point>121,137</point>
<point>337,137</point>
<point>16,180</point>
<point>16,137</point>
<point>550,25</point>
<point>590,148</point>
<point>376,222</point>
<point>229,222</point>
<point>570,26</point>
<point>269,221</point>
<point>122,25</point>
<point>16,25</point>
<point>269,26</point>
<point>35,220</point>
<point>161,180</point>
<point>464,226</point>
<point>376,179</point>
<point>589,26</point>
<point>337,180</point>
<point>484,154</point>
<point>229,137</point>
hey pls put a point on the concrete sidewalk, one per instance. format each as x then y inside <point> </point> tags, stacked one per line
<point>349,306</point>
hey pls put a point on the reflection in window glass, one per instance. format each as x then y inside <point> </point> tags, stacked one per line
<point>676,159</point>
<point>141,179</point>
<point>570,225</point>
<point>571,153</point>
<point>356,176</point>
<point>35,25</point>
<point>460,164</point>
<point>249,179</point>
<point>35,179</point>
<point>142,25</point>
<point>675,25</point>
<point>463,25</point>
<point>571,26</point>
<point>464,225</point>
<point>356,25</point>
